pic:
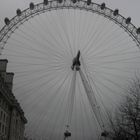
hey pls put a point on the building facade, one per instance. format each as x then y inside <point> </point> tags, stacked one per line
<point>12,119</point>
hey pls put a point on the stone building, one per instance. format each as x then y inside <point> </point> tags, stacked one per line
<point>12,119</point>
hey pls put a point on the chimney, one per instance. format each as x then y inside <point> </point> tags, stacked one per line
<point>3,65</point>
<point>8,79</point>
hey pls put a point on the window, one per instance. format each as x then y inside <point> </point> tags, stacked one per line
<point>5,130</point>
<point>6,106</point>
<point>2,128</point>
<point>7,120</point>
<point>1,101</point>
<point>1,115</point>
<point>4,117</point>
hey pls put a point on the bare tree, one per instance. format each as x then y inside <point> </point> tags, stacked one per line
<point>126,125</point>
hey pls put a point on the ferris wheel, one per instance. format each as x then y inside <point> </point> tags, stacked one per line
<point>72,62</point>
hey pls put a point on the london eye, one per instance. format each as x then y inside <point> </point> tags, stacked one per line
<point>72,61</point>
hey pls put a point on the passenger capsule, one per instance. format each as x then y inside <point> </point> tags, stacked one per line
<point>32,6</point>
<point>102,6</point>
<point>18,12</point>
<point>74,1</point>
<point>67,134</point>
<point>128,20</point>
<point>45,2</point>
<point>7,21</point>
<point>104,134</point>
<point>88,2</point>
<point>138,30</point>
<point>116,12</point>
<point>60,1</point>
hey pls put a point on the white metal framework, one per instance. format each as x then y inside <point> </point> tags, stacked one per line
<point>71,86</point>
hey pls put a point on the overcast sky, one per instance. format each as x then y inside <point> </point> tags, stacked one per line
<point>30,79</point>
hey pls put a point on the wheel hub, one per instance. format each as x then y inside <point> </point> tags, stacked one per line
<point>76,62</point>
